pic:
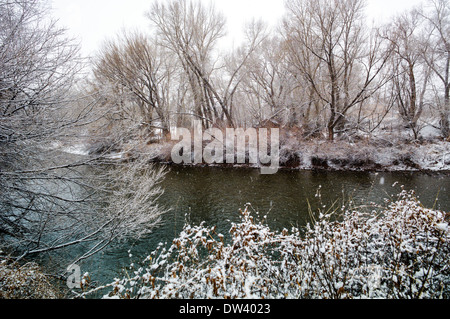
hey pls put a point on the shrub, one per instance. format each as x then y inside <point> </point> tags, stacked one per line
<point>24,282</point>
<point>401,252</point>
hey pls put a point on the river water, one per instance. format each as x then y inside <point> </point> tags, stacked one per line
<point>215,196</point>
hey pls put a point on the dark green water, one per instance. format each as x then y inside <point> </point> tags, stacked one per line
<point>215,196</point>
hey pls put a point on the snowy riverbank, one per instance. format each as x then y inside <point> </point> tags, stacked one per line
<point>429,156</point>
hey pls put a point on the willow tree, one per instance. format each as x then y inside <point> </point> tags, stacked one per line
<point>436,53</point>
<point>191,31</point>
<point>335,53</point>
<point>410,74</point>
<point>143,72</point>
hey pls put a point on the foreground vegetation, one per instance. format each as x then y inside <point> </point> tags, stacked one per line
<point>401,252</point>
<point>323,76</point>
<point>26,281</point>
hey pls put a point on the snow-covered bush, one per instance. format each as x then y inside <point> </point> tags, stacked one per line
<point>24,282</point>
<point>401,252</point>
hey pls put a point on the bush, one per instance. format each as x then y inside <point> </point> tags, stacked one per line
<point>402,252</point>
<point>24,282</point>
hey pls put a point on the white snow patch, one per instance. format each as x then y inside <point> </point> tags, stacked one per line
<point>77,149</point>
<point>442,227</point>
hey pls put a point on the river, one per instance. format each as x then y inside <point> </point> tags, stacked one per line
<point>215,196</point>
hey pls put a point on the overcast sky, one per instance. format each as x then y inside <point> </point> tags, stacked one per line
<point>93,21</point>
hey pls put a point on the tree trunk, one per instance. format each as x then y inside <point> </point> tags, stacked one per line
<point>445,115</point>
<point>331,133</point>
<point>446,112</point>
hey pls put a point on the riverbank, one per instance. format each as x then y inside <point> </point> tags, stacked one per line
<point>364,155</point>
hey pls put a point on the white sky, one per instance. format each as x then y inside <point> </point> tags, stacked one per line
<point>93,21</point>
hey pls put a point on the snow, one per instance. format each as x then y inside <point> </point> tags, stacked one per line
<point>75,149</point>
<point>78,149</point>
<point>429,156</point>
<point>388,151</point>
<point>442,226</point>
<point>363,256</point>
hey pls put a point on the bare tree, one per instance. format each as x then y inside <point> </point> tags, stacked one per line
<point>335,53</point>
<point>49,200</point>
<point>436,53</point>
<point>191,31</point>
<point>304,66</point>
<point>411,75</point>
<point>269,85</point>
<point>233,82</point>
<point>135,65</point>
<point>37,70</point>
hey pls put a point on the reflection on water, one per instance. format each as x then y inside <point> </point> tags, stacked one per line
<point>215,196</point>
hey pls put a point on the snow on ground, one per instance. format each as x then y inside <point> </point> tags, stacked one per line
<point>77,149</point>
<point>307,155</point>
<point>381,151</point>
<point>434,156</point>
